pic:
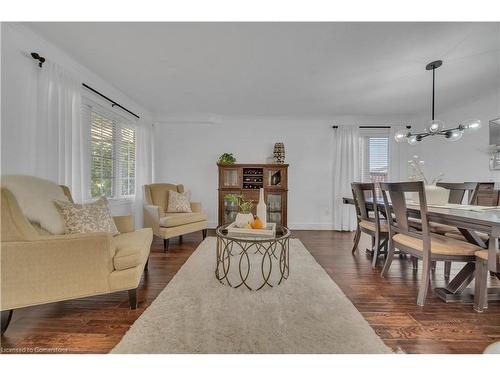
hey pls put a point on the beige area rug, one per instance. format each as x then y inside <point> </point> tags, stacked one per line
<point>308,313</point>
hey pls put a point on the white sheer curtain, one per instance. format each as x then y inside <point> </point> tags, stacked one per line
<point>143,167</point>
<point>60,142</point>
<point>347,159</point>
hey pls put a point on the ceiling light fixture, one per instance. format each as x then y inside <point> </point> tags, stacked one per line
<point>436,127</point>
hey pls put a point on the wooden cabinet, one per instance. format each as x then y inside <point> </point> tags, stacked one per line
<point>247,179</point>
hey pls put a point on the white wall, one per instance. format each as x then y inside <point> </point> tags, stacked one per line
<point>19,77</point>
<point>187,153</point>
<point>465,159</point>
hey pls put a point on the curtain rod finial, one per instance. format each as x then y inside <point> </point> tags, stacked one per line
<point>40,59</point>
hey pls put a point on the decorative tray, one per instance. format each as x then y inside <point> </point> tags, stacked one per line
<point>268,231</point>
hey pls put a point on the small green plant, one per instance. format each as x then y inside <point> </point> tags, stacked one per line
<point>227,158</point>
<point>245,205</point>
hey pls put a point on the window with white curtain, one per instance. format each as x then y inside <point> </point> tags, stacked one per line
<point>375,151</point>
<point>112,142</point>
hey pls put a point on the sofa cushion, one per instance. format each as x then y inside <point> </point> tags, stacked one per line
<point>132,248</point>
<point>181,218</point>
<point>36,197</point>
<point>159,194</point>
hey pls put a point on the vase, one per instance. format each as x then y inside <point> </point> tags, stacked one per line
<point>262,208</point>
<point>279,152</point>
<point>243,220</point>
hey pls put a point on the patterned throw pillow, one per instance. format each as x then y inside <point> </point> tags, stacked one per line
<point>178,202</point>
<point>87,218</point>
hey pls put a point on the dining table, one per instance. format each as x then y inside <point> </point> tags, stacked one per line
<point>469,220</point>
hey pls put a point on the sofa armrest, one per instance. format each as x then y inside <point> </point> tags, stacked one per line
<point>55,268</point>
<point>124,224</point>
<point>196,206</point>
<point>152,218</point>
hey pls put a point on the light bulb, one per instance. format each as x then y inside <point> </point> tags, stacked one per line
<point>400,135</point>
<point>471,125</point>
<point>435,126</point>
<point>454,135</point>
<point>412,140</point>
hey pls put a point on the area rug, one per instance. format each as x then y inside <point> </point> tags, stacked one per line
<point>308,313</point>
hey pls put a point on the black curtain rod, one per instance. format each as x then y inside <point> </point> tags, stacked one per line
<point>372,127</point>
<point>108,99</point>
<point>367,127</point>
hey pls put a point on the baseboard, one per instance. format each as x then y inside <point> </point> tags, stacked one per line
<point>296,226</point>
<point>311,226</point>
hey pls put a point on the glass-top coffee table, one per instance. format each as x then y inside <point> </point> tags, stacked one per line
<point>252,261</point>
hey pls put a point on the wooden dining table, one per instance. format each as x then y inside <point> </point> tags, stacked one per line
<point>469,221</point>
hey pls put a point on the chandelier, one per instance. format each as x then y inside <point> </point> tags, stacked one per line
<point>436,127</point>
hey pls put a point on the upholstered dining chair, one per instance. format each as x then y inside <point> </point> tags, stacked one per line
<point>419,244</point>
<point>369,221</point>
<point>457,194</point>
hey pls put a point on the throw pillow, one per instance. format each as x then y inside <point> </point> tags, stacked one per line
<point>178,202</point>
<point>87,218</point>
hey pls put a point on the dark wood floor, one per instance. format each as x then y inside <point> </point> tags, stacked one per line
<point>96,324</point>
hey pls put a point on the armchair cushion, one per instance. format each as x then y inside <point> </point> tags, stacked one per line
<point>181,218</point>
<point>132,248</point>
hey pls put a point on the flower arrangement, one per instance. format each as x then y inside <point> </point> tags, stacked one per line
<point>417,167</point>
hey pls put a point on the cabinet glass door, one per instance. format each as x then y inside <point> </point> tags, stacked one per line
<point>274,208</point>
<point>273,178</point>
<point>230,208</point>
<point>230,178</point>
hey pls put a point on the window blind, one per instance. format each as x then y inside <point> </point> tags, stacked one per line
<point>375,148</point>
<point>127,161</point>
<point>102,162</point>
<point>112,154</point>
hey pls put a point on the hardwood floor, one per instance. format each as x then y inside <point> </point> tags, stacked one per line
<point>96,324</point>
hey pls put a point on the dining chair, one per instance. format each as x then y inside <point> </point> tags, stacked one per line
<point>481,195</point>
<point>419,244</point>
<point>458,190</point>
<point>481,280</point>
<point>369,220</point>
<point>486,195</point>
<point>457,194</point>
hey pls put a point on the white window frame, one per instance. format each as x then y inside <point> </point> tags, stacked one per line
<point>120,122</point>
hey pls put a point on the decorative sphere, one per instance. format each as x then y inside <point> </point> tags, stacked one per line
<point>471,125</point>
<point>412,140</point>
<point>400,135</point>
<point>435,126</point>
<point>454,135</point>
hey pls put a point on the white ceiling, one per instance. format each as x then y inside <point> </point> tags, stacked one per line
<point>295,69</point>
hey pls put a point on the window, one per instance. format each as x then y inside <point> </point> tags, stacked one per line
<point>112,154</point>
<point>375,148</point>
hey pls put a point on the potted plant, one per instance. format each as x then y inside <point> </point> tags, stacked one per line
<point>244,218</point>
<point>227,158</point>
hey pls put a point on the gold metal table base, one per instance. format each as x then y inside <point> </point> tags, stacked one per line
<point>272,253</point>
